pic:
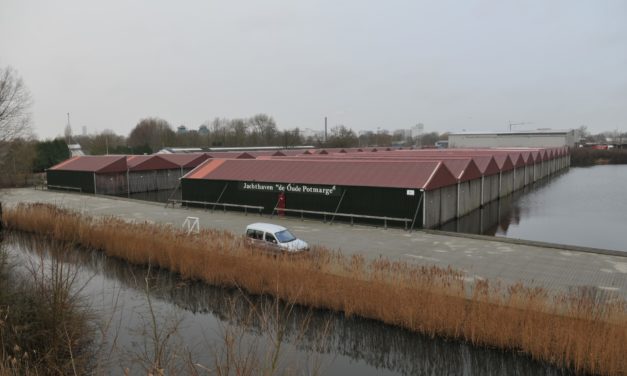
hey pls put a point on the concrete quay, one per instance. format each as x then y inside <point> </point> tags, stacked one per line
<point>554,267</point>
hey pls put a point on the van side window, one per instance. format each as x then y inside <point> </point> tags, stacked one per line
<point>258,234</point>
<point>270,238</point>
<point>250,233</point>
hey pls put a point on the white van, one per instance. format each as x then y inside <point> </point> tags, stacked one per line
<point>274,237</point>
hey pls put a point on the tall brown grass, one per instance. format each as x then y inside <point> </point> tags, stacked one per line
<point>576,330</point>
<point>159,347</point>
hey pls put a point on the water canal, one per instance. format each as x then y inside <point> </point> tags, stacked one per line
<point>200,318</point>
<point>583,206</point>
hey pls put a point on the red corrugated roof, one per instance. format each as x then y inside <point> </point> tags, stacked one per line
<point>504,162</point>
<point>99,164</point>
<point>224,154</point>
<point>427,175</point>
<point>527,157</point>
<point>463,169</point>
<point>537,156</point>
<point>60,165</point>
<point>294,151</point>
<point>134,160</point>
<point>517,159</point>
<point>149,162</point>
<point>487,165</point>
<point>513,152</point>
<point>205,169</point>
<point>187,160</point>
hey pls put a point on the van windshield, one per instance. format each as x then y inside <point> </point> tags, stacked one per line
<point>285,236</point>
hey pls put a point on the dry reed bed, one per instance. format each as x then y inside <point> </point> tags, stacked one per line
<point>577,331</point>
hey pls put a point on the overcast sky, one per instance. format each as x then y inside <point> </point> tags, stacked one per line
<point>451,65</point>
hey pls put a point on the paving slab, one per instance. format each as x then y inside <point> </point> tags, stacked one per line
<point>557,268</point>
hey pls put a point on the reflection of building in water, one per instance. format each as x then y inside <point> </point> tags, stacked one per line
<point>382,346</point>
<point>495,217</point>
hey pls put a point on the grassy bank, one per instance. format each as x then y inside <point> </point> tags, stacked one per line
<point>582,157</point>
<point>577,331</point>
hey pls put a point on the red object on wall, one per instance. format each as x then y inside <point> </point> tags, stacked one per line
<point>281,204</point>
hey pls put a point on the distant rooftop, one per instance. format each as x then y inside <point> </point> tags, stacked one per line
<point>520,132</point>
<point>178,150</point>
<point>75,150</point>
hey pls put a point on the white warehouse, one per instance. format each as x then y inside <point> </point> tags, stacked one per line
<point>532,139</point>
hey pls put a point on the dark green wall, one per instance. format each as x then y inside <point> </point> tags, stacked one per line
<point>389,202</point>
<point>76,179</point>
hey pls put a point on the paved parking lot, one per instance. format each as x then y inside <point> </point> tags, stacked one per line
<point>479,258</point>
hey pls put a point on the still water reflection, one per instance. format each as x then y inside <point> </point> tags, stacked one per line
<point>338,345</point>
<point>583,207</point>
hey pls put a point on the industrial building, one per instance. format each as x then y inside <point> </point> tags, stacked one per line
<point>121,174</point>
<point>89,174</point>
<point>360,188</point>
<point>407,188</point>
<point>526,139</point>
<point>418,188</point>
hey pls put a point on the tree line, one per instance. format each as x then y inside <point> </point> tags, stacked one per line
<point>153,134</point>
<point>21,153</point>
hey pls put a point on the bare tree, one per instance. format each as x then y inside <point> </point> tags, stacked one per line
<point>239,130</point>
<point>264,127</point>
<point>15,128</point>
<point>217,131</point>
<point>17,165</point>
<point>342,137</point>
<point>154,132</point>
<point>15,101</point>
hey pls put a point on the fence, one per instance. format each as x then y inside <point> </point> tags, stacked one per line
<point>205,204</point>
<point>351,216</point>
<point>78,189</point>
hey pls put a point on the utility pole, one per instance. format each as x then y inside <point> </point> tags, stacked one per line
<point>325,130</point>
<point>68,131</point>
